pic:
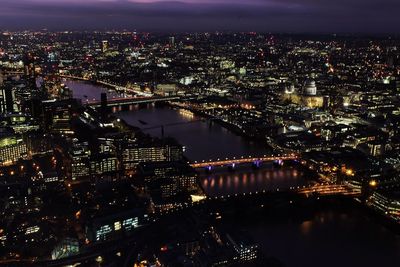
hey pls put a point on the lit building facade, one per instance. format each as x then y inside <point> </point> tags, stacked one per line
<point>103,164</point>
<point>246,251</point>
<point>105,228</point>
<point>12,149</point>
<point>388,203</point>
<point>80,162</point>
<point>66,248</point>
<point>133,154</point>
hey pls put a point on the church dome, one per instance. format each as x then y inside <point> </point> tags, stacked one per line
<point>310,88</point>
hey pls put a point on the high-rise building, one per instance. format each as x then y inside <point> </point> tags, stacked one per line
<point>29,71</point>
<point>172,41</point>
<point>8,103</point>
<point>66,248</point>
<point>245,249</point>
<point>108,227</point>
<point>132,153</point>
<point>104,46</point>
<point>167,179</point>
<point>12,148</point>
<point>103,163</point>
<point>29,66</point>
<point>80,154</point>
<point>38,143</point>
<point>387,202</point>
<point>57,115</point>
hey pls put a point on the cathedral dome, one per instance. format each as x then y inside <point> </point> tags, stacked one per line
<point>310,88</point>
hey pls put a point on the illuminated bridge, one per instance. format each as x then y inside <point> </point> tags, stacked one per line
<point>329,189</point>
<point>316,190</point>
<point>117,88</point>
<point>114,102</point>
<point>232,162</point>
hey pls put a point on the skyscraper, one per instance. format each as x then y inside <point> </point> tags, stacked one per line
<point>172,41</point>
<point>7,98</point>
<point>29,70</point>
<point>104,46</point>
<point>29,66</point>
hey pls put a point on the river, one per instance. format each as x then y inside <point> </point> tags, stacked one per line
<point>329,236</point>
<point>202,140</point>
<point>88,91</point>
<point>341,236</point>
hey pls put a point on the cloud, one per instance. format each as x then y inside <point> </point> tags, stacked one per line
<point>186,15</point>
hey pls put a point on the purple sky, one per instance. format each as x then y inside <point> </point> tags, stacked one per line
<point>364,16</point>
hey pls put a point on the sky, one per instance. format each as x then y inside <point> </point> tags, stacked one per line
<point>289,16</point>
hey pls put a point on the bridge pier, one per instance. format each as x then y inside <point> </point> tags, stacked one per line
<point>256,164</point>
<point>232,166</point>
<point>133,107</point>
<point>278,163</point>
<point>115,109</point>
<point>209,168</point>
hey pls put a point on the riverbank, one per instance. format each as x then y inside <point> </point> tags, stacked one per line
<point>231,127</point>
<point>317,229</point>
<point>202,140</point>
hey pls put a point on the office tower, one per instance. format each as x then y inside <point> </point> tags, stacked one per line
<point>12,147</point>
<point>29,71</point>
<point>29,66</point>
<point>104,46</point>
<point>7,99</point>
<point>80,160</point>
<point>172,41</point>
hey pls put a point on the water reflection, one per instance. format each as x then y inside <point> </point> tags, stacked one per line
<point>224,182</point>
<point>88,91</point>
<point>332,237</point>
<point>203,140</point>
<point>305,227</point>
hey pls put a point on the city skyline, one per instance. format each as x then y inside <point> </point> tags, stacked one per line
<point>199,133</point>
<point>291,16</point>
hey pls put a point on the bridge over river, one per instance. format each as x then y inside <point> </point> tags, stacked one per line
<point>232,162</point>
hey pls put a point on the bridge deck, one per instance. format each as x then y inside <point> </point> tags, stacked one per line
<point>131,101</point>
<point>241,160</point>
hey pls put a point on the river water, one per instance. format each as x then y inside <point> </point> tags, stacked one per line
<point>202,140</point>
<point>87,91</point>
<point>329,238</point>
